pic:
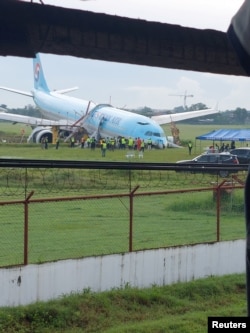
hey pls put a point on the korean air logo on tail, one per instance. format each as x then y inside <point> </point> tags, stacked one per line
<point>39,79</point>
<point>37,72</point>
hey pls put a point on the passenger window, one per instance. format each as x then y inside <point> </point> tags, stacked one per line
<point>213,159</point>
<point>203,159</point>
<point>225,158</point>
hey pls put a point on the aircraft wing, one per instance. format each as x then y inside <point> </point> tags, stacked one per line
<point>168,118</point>
<point>25,93</point>
<point>65,91</point>
<point>33,121</point>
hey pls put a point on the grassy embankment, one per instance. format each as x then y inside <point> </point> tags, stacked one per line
<point>179,308</point>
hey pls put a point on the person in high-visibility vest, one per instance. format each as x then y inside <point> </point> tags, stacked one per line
<point>88,142</point>
<point>103,148</point>
<point>112,144</point>
<point>123,146</point>
<point>130,143</point>
<point>149,143</point>
<point>92,143</point>
<point>57,142</point>
<point>142,146</point>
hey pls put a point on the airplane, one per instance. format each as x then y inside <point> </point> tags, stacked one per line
<point>65,114</point>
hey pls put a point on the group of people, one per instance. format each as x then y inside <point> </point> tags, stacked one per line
<point>223,148</point>
<point>105,144</point>
<point>122,143</point>
<point>215,148</point>
<point>117,143</point>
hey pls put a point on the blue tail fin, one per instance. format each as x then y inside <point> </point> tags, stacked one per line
<point>39,79</point>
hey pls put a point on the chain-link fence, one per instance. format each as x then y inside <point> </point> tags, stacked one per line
<point>50,214</point>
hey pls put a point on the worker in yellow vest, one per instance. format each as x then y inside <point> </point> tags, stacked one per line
<point>103,148</point>
<point>149,143</point>
<point>112,144</point>
<point>130,143</point>
<point>123,146</point>
<point>142,145</point>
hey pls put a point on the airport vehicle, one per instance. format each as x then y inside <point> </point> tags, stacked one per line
<point>204,162</point>
<point>243,154</point>
<point>65,114</point>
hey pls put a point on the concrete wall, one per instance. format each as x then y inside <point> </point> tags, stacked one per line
<point>28,284</point>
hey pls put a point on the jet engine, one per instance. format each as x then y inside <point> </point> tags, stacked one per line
<point>40,132</point>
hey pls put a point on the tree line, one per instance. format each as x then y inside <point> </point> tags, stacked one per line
<point>239,116</point>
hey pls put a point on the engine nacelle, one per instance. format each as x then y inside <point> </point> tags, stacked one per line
<point>171,143</point>
<point>170,140</point>
<point>40,132</point>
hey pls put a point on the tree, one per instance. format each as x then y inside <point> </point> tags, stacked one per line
<point>240,116</point>
<point>197,107</point>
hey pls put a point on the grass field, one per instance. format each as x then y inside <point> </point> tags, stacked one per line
<point>187,132</point>
<point>73,229</point>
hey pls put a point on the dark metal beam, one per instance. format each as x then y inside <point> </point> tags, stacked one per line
<point>28,28</point>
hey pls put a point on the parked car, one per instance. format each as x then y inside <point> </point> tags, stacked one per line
<point>243,154</point>
<point>213,158</point>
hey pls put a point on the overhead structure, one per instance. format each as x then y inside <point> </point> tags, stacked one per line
<point>27,28</point>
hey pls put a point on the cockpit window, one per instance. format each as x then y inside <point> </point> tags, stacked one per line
<point>150,133</point>
<point>140,123</point>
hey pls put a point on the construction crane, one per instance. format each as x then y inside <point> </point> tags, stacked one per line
<point>184,98</point>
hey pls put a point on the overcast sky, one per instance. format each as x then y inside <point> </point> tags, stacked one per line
<point>131,85</point>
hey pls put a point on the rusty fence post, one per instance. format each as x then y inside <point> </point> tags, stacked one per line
<point>26,228</point>
<point>218,208</point>
<point>131,215</point>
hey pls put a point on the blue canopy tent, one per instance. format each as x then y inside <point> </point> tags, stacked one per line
<point>226,135</point>
<point>221,135</point>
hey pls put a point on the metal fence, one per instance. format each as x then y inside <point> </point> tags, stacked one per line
<point>69,209</point>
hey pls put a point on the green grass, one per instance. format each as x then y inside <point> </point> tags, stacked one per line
<point>80,228</point>
<point>8,130</point>
<point>179,308</point>
<point>187,132</point>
